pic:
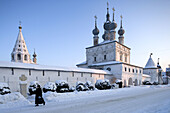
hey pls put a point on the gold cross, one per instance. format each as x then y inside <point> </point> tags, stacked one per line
<point>113,9</point>
<point>121,16</point>
<point>107,5</point>
<point>95,17</point>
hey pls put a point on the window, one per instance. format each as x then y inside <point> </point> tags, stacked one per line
<point>81,74</point>
<point>24,46</point>
<point>43,73</point>
<point>58,73</point>
<point>12,57</point>
<point>133,70</point>
<point>125,69</point>
<point>12,71</point>
<point>36,78</point>
<point>91,75</point>
<point>125,57</point>
<point>140,71</point>
<point>67,79</point>
<point>29,72</point>
<point>136,71</point>
<point>95,59</point>
<point>4,78</point>
<point>129,69</point>
<point>109,69</point>
<point>104,57</point>
<point>121,56</point>
<point>19,46</point>
<point>99,75</point>
<point>72,74</point>
<point>25,57</point>
<point>19,57</point>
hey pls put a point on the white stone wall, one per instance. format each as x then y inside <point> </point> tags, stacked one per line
<point>153,73</point>
<point>99,52</point>
<point>135,75</point>
<point>120,49</point>
<point>49,75</point>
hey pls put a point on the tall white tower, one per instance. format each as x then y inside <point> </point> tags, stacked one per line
<point>20,52</point>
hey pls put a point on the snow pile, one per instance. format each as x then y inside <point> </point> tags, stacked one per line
<point>13,99</point>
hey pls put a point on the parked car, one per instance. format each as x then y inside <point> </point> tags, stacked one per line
<point>32,87</point>
<point>4,88</point>
<point>89,85</point>
<point>119,82</point>
<point>62,86</point>
<point>49,86</point>
<point>103,84</point>
<point>72,89</point>
<point>80,86</point>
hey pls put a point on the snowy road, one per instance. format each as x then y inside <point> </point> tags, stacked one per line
<point>126,100</point>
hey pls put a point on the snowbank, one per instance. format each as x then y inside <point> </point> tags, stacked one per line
<point>13,99</point>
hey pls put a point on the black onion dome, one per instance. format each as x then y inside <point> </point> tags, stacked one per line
<point>121,31</point>
<point>107,25</point>
<point>95,31</point>
<point>103,36</point>
<point>113,25</point>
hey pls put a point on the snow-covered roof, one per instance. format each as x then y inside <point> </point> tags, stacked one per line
<point>106,63</point>
<point>145,75</point>
<point>83,63</point>
<point>150,64</point>
<point>45,67</point>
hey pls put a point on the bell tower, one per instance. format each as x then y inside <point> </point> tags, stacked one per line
<point>20,52</point>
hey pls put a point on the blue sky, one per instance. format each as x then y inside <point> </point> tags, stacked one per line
<point>60,30</point>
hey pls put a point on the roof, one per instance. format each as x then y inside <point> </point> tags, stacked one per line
<point>112,63</point>
<point>83,63</point>
<point>4,64</point>
<point>150,64</point>
<point>107,42</point>
<point>145,75</point>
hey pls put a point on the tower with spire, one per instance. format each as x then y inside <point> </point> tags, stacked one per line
<point>95,33</point>
<point>20,52</point>
<point>121,32</point>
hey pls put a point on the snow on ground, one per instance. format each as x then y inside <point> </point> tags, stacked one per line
<point>137,99</point>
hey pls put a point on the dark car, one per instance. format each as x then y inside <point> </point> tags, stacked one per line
<point>62,86</point>
<point>147,83</point>
<point>103,84</point>
<point>49,86</point>
<point>32,87</point>
<point>4,89</point>
<point>80,86</point>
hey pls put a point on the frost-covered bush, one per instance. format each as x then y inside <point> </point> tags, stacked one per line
<point>62,86</point>
<point>49,86</point>
<point>89,85</point>
<point>32,87</point>
<point>4,88</point>
<point>80,86</point>
<point>103,84</point>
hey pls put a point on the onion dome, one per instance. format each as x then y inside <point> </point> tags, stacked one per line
<point>121,31</point>
<point>113,25</point>
<point>95,30</point>
<point>107,23</point>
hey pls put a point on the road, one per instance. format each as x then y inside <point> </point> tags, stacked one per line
<point>144,100</point>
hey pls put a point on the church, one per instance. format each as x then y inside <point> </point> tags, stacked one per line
<point>114,56</point>
<point>109,59</point>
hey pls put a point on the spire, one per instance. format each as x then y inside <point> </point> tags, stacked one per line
<point>113,13</point>
<point>95,21</point>
<point>121,21</point>
<point>151,54</point>
<point>20,52</point>
<point>34,57</point>
<point>95,30</point>
<point>108,15</point>
<point>150,63</point>
<point>158,66</point>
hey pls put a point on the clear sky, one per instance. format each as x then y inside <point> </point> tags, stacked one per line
<point>60,30</point>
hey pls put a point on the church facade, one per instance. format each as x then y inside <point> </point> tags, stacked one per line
<point>113,55</point>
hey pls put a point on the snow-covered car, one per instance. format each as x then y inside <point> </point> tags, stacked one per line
<point>72,89</point>
<point>114,86</point>
<point>62,86</point>
<point>32,87</point>
<point>89,85</point>
<point>4,88</point>
<point>80,86</point>
<point>103,84</point>
<point>49,86</point>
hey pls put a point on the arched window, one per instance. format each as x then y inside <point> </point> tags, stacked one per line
<point>109,69</point>
<point>25,57</point>
<point>19,57</point>
<point>121,56</point>
<point>125,57</point>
